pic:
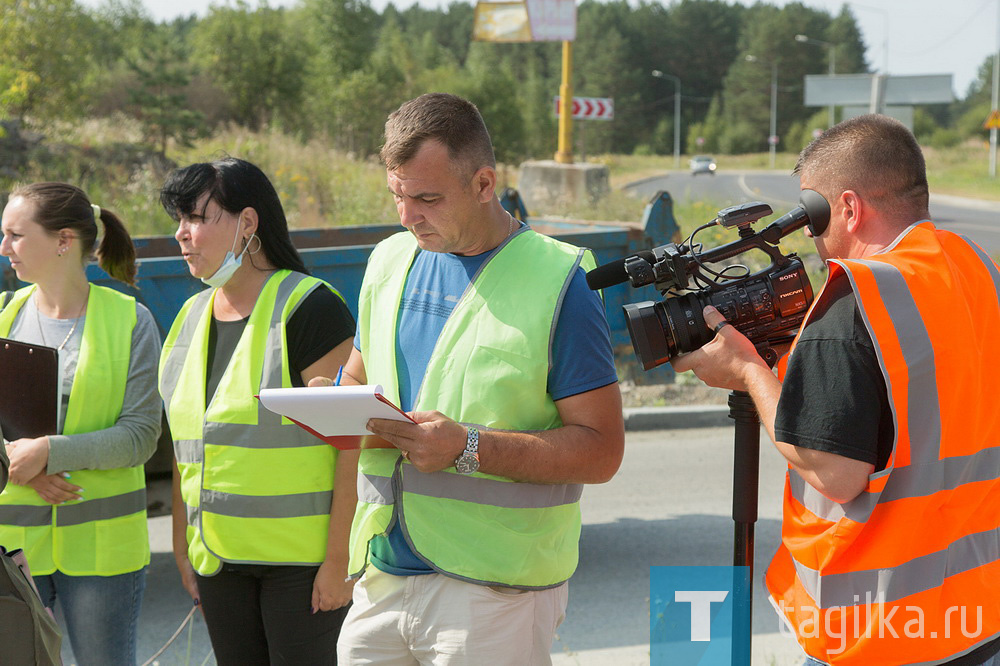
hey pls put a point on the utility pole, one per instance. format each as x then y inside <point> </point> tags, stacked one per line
<point>996,97</point>
<point>832,63</point>
<point>677,114</point>
<point>564,154</point>
<point>772,138</point>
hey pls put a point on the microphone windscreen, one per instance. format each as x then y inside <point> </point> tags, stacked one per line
<point>613,272</point>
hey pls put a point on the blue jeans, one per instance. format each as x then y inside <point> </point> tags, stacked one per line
<point>102,614</point>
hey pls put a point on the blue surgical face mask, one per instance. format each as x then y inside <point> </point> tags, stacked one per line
<point>229,265</point>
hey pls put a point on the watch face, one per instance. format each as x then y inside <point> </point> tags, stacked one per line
<point>467,463</point>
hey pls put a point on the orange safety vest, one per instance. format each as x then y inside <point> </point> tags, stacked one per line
<point>908,572</point>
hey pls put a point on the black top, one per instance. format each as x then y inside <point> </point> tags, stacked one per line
<point>321,322</point>
<point>833,397</point>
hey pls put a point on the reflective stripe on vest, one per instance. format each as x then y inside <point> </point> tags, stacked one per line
<point>257,488</point>
<point>104,534</point>
<point>925,534</point>
<point>483,371</point>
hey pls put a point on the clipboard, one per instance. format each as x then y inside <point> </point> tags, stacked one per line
<point>30,378</point>
<point>335,414</point>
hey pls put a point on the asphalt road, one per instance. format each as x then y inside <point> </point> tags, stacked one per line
<point>670,504</point>
<point>977,219</point>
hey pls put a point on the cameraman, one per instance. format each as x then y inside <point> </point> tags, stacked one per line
<point>887,419</point>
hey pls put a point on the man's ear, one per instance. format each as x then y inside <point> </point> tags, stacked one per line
<point>854,210</point>
<point>484,183</point>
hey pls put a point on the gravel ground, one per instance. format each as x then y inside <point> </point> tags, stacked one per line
<point>686,390</point>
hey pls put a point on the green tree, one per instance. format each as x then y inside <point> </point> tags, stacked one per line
<point>256,59</point>
<point>602,68</point>
<point>768,47</point>
<point>971,112</point>
<point>450,28</point>
<point>696,23</point>
<point>123,28</point>
<point>343,34</point>
<point>844,33</point>
<point>159,100</point>
<point>45,57</point>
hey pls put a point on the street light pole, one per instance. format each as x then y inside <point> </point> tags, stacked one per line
<point>772,138</point>
<point>831,61</point>
<point>996,98</point>
<point>677,114</point>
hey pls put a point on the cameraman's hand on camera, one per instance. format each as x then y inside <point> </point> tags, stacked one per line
<point>729,361</point>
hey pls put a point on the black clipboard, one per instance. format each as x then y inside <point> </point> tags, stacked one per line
<point>29,390</point>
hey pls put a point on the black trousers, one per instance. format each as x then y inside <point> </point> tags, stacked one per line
<point>261,614</point>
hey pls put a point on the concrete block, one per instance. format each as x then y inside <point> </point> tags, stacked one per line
<point>547,183</point>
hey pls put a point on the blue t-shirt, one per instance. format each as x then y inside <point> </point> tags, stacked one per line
<point>582,359</point>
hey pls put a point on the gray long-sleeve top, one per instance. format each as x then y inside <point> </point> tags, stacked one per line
<point>132,439</point>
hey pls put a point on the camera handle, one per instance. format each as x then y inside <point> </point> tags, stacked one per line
<point>746,465</point>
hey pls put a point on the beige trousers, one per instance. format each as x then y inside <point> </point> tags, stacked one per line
<point>434,619</point>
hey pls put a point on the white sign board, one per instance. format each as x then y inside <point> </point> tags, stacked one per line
<point>856,89</point>
<point>552,20</point>
<point>903,114</point>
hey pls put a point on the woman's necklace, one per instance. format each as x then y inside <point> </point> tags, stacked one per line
<point>41,331</point>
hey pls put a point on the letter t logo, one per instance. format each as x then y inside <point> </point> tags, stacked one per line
<point>701,607</point>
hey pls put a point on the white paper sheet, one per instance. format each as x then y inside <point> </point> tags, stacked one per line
<point>332,410</point>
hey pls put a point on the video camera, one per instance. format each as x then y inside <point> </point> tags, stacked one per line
<point>768,306</point>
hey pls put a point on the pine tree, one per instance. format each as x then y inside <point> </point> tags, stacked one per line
<point>158,99</point>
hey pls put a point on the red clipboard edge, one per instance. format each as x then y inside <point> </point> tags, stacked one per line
<point>348,442</point>
<point>381,398</point>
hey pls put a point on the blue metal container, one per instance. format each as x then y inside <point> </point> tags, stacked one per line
<point>339,256</point>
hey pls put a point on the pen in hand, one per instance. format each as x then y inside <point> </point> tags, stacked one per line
<point>340,373</point>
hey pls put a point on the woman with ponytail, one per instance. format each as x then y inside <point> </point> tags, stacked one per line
<point>76,503</point>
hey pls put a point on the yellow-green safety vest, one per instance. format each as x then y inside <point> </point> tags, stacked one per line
<point>105,533</point>
<point>489,368</point>
<point>257,488</point>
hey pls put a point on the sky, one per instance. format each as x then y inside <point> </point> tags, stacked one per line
<point>922,36</point>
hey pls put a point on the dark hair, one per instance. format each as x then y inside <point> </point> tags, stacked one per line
<point>453,121</point>
<point>64,206</point>
<point>235,184</point>
<point>875,155</point>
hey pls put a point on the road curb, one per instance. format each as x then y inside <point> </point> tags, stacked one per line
<point>667,418</point>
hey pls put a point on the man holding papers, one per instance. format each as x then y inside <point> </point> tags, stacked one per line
<point>486,334</point>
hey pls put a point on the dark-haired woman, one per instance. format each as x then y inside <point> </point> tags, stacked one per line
<point>262,509</point>
<point>77,503</point>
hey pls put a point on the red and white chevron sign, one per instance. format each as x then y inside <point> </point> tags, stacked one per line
<point>589,108</point>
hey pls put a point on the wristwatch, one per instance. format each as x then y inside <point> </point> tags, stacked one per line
<point>468,462</point>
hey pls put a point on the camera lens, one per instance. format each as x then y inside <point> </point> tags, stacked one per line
<point>687,323</point>
<point>651,338</point>
<point>661,331</point>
